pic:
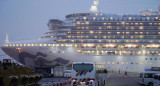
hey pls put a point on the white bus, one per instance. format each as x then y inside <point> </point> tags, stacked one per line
<point>83,74</point>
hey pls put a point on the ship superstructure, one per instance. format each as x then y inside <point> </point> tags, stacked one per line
<point>126,42</point>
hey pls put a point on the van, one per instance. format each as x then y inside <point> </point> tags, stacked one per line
<point>147,78</point>
<point>156,81</point>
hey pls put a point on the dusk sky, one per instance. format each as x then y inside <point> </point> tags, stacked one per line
<point>27,19</point>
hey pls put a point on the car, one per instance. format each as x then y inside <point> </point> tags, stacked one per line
<point>67,73</point>
<point>147,78</point>
<point>156,81</point>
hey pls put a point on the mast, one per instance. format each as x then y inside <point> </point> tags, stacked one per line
<point>7,40</point>
<point>94,7</point>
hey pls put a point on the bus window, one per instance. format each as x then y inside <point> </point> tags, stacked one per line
<point>141,75</point>
<point>83,67</point>
<point>148,75</point>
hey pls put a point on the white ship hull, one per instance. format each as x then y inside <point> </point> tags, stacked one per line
<point>66,55</point>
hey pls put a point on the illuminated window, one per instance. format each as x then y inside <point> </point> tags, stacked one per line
<point>72,40</point>
<point>108,62</point>
<point>112,62</point>
<point>122,62</point>
<point>141,23</point>
<point>136,40</point>
<point>54,51</point>
<point>86,36</point>
<point>104,37</point>
<point>141,37</point>
<point>118,33</point>
<point>136,32</point>
<point>127,33</point>
<point>155,23</point>
<point>122,37</point>
<point>136,23</point>
<point>126,62</point>
<point>91,32</point>
<point>104,23</point>
<point>78,23</point>
<point>87,27</point>
<point>141,28</point>
<point>62,51</point>
<point>150,23</point>
<point>127,23</point>
<point>132,27</point>
<point>122,23</point>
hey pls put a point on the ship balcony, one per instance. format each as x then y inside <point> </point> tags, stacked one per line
<point>84,48</point>
<point>110,48</point>
<point>152,48</point>
<point>61,34</point>
<point>131,48</point>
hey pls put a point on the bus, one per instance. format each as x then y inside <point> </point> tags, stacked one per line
<point>83,74</point>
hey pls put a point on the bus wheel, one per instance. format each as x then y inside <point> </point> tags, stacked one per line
<point>150,84</point>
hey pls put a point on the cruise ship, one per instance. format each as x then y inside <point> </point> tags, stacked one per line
<point>121,42</point>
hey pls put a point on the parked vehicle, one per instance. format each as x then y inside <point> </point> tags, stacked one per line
<point>67,73</point>
<point>83,74</point>
<point>156,81</point>
<point>147,78</point>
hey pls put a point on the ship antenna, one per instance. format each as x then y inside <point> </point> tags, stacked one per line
<point>94,7</point>
<point>7,40</point>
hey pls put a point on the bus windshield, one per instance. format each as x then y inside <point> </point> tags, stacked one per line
<point>83,67</point>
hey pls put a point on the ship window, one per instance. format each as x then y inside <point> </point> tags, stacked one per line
<point>131,62</point>
<point>54,52</point>
<point>146,58</point>
<point>117,62</point>
<point>62,51</point>
<point>108,62</point>
<point>155,58</point>
<point>141,28</point>
<point>150,58</point>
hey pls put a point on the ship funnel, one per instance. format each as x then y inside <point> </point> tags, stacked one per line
<point>94,7</point>
<point>7,40</point>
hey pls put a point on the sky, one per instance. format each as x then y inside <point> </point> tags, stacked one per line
<point>27,19</point>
